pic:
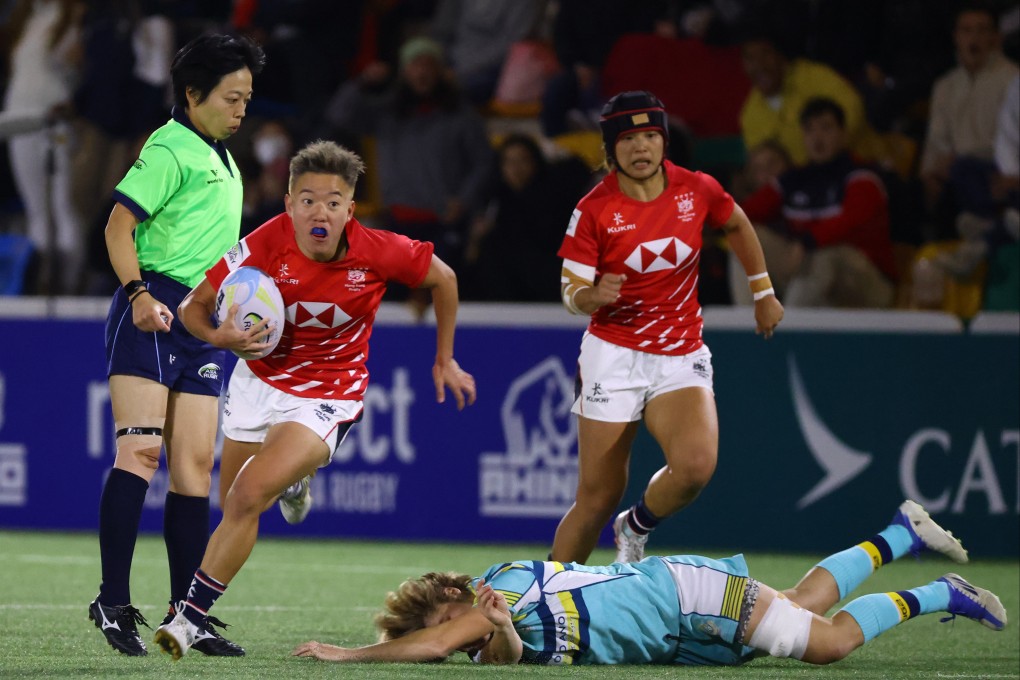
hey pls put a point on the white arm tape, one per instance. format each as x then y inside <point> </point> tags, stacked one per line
<point>569,293</point>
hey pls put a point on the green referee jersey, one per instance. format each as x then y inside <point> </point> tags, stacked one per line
<point>186,192</point>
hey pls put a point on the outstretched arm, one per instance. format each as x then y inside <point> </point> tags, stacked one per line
<point>426,644</point>
<point>446,372</point>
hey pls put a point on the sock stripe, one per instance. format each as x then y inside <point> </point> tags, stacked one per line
<point>883,549</point>
<point>913,605</point>
<point>636,525</point>
<point>874,554</point>
<point>203,612</point>
<point>902,606</point>
<point>209,581</point>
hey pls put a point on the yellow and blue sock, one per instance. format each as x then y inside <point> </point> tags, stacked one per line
<point>852,566</point>
<point>879,612</point>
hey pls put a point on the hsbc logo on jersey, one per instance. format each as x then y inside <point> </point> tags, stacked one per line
<point>316,315</point>
<point>658,255</point>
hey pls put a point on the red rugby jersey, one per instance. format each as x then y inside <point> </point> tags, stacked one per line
<point>330,305</point>
<point>657,244</point>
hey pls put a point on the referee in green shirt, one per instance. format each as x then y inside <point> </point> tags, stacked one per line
<point>178,209</point>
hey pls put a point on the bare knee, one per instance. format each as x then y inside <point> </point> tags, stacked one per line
<point>245,499</point>
<point>699,469</point>
<point>691,470</point>
<point>138,453</point>
<point>598,503</point>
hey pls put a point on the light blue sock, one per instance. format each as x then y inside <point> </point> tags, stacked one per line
<point>879,612</point>
<point>899,539</point>
<point>852,566</point>
<point>931,598</point>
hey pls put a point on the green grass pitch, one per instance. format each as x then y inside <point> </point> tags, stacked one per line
<point>291,591</point>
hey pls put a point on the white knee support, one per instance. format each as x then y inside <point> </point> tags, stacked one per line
<point>784,630</point>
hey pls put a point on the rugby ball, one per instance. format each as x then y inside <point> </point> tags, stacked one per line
<point>257,298</point>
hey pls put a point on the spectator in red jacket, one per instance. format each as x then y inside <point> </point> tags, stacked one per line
<point>827,223</point>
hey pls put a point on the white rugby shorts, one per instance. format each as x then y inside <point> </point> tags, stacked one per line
<point>616,383</point>
<point>252,406</point>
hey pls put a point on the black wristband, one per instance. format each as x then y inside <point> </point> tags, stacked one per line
<point>132,287</point>
<point>138,293</point>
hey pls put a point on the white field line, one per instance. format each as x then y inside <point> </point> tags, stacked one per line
<point>219,607</point>
<point>339,567</point>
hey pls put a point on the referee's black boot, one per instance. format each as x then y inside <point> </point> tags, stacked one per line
<point>120,626</point>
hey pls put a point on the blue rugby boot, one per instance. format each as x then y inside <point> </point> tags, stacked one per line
<point>974,603</point>
<point>927,534</point>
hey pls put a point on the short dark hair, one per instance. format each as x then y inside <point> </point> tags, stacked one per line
<point>327,158</point>
<point>978,7</point>
<point>819,106</point>
<point>201,64</point>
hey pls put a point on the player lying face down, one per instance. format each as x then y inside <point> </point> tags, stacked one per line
<point>680,609</point>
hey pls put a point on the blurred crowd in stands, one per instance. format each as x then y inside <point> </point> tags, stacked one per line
<point>874,143</point>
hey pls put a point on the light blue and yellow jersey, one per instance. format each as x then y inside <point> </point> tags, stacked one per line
<point>682,609</point>
<point>185,191</point>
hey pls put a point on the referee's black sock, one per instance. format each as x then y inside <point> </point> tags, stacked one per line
<point>120,511</point>
<point>186,533</point>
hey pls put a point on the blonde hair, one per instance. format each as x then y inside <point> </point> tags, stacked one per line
<point>406,608</point>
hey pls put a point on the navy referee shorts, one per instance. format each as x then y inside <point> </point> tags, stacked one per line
<point>176,359</point>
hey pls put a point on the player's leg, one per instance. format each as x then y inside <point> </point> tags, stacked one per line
<point>603,457</point>
<point>685,425</point>
<point>911,530</point>
<point>610,395</point>
<point>680,414</point>
<point>190,440</point>
<point>780,627</point>
<point>233,457</point>
<point>139,411</point>
<point>290,452</point>
<point>191,437</point>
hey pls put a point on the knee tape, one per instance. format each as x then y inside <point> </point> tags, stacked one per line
<point>141,442</point>
<point>784,630</point>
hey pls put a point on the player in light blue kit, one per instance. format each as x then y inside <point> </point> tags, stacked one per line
<point>682,609</point>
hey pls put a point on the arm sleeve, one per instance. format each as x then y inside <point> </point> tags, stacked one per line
<point>247,252</point>
<point>580,243</point>
<point>720,203</point>
<point>150,182</point>
<point>404,259</point>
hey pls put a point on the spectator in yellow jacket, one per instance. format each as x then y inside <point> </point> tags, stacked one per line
<point>780,88</point>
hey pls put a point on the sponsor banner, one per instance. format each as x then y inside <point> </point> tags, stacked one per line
<point>821,436</point>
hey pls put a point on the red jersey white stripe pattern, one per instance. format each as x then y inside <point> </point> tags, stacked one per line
<point>330,305</point>
<point>657,244</point>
